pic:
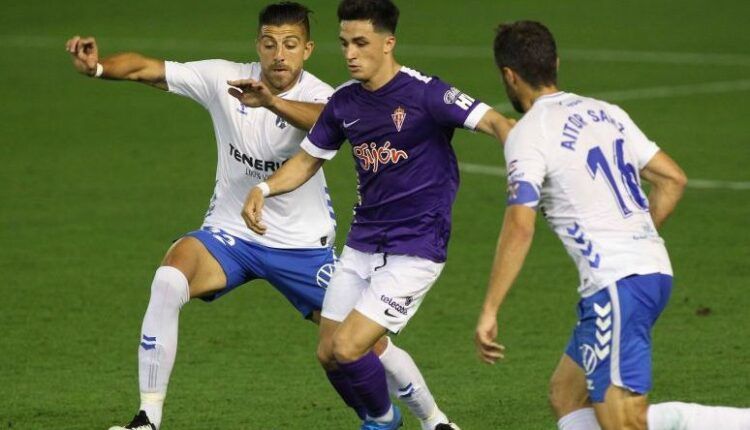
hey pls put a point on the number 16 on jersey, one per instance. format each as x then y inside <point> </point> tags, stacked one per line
<point>626,173</point>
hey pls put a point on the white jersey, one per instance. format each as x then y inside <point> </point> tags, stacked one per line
<point>253,143</point>
<point>579,159</point>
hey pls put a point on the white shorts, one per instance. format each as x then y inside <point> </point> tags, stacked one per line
<point>386,288</point>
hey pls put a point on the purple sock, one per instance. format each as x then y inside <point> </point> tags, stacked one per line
<point>367,378</point>
<point>343,386</point>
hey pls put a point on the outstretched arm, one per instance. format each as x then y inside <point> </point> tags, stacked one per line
<point>293,174</point>
<point>496,125</point>
<point>252,93</point>
<point>668,182</point>
<point>128,66</point>
<point>512,247</point>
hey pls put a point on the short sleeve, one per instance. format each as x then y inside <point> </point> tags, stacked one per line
<point>526,166</point>
<point>452,108</point>
<point>643,148</point>
<point>316,91</point>
<point>197,80</point>
<point>326,136</point>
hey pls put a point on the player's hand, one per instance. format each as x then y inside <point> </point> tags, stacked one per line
<point>251,93</point>
<point>85,54</point>
<point>488,350</point>
<point>251,211</point>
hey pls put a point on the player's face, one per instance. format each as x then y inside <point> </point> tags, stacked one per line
<point>282,50</point>
<point>364,48</point>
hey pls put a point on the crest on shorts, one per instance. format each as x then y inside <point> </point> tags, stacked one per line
<point>589,358</point>
<point>398,116</point>
<point>324,275</point>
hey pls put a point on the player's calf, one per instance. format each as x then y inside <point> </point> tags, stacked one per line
<point>622,410</point>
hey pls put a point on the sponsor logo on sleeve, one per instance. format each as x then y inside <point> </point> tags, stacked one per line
<point>455,96</point>
<point>451,95</point>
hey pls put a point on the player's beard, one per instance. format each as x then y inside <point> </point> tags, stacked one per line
<point>281,81</point>
<point>513,97</point>
<point>517,105</point>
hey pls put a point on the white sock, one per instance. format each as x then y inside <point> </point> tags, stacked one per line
<point>582,419</point>
<point>158,344</point>
<point>691,416</point>
<point>406,382</point>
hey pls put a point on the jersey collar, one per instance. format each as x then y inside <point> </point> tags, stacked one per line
<point>550,97</point>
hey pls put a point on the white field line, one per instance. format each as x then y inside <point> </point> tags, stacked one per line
<point>235,46</point>
<point>245,44</point>
<point>666,91</point>
<point>701,184</point>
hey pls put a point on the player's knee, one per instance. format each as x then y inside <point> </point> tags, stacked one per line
<point>562,399</point>
<point>344,350</point>
<point>170,287</point>
<point>325,356</point>
<point>183,256</point>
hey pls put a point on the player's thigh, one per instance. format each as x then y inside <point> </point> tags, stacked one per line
<point>622,410</point>
<point>397,289</point>
<point>204,274</point>
<point>567,388</point>
<point>347,285</point>
<point>355,337</point>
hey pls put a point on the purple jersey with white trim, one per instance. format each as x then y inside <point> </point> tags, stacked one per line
<point>407,171</point>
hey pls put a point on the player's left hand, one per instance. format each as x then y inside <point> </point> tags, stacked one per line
<point>251,93</point>
<point>488,350</point>
<point>252,209</point>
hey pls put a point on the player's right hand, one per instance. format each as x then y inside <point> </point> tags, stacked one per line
<point>251,211</point>
<point>251,93</point>
<point>85,54</point>
<point>488,349</point>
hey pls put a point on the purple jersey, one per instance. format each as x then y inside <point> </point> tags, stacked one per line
<point>407,171</point>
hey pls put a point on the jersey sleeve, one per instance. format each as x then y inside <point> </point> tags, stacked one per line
<point>452,108</point>
<point>198,80</point>
<point>525,165</point>
<point>643,148</point>
<point>316,92</point>
<point>326,136</point>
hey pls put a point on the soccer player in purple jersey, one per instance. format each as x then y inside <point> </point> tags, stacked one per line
<point>400,123</point>
<point>558,158</point>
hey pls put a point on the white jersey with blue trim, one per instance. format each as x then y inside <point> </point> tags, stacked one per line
<point>253,143</point>
<point>578,160</point>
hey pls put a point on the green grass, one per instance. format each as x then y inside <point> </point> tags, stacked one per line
<point>99,177</point>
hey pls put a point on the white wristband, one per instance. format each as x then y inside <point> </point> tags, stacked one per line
<point>99,70</point>
<point>264,188</point>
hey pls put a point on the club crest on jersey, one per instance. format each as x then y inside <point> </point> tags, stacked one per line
<point>398,116</point>
<point>371,156</point>
<point>281,123</point>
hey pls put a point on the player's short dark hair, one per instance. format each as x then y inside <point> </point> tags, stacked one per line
<point>382,13</point>
<point>285,12</point>
<point>529,49</point>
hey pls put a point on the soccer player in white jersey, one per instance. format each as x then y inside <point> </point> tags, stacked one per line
<point>579,161</point>
<point>400,123</point>
<point>258,126</point>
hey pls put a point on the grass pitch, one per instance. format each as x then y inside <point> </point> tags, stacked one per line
<point>99,177</point>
